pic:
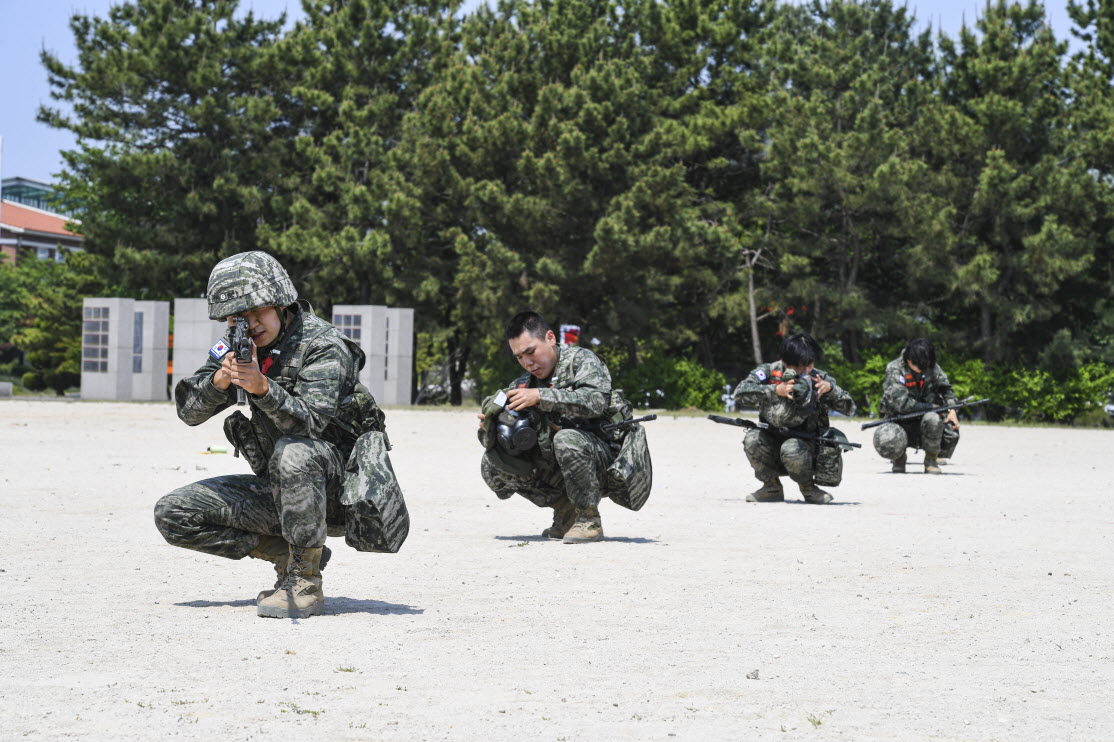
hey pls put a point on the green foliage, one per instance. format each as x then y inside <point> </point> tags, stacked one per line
<point>656,378</point>
<point>705,174</point>
<point>50,331</point>
<point>33,381</point>
<point>1037,396</point>
<point>862,381</point>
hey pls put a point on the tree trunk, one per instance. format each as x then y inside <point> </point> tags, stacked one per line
<point>458,363</point>
<point>986,332</point>
<point>755,341</point>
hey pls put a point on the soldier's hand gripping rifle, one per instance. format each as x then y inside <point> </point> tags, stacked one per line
<point>909,415</point>
<point>241,348</point>
<point>785,432</point>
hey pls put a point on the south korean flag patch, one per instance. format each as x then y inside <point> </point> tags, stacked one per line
<point>220,350</point>
<point>759,374</point>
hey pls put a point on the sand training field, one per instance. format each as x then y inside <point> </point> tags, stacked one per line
<point>975,605</point>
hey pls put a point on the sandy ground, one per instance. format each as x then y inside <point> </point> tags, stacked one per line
<point>970,606</point>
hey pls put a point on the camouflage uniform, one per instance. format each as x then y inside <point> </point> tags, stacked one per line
<point>770,454</point>
<point>297,442</point>
<point>567,462</point>
<point>904,391</point>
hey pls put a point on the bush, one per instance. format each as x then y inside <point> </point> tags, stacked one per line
<point>33,381</point>
<point>658,379</point>
<point>1028,395</point>
<point>14,369</point>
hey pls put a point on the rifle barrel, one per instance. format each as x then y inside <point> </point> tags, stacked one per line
<point>910,415</point>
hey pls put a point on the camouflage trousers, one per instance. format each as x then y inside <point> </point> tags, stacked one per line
<point>577,472</point>
<point>930,433</point>
<point>771,456</point>
<point>226,515</point>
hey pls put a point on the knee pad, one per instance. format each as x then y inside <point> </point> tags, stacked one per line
<point>292,457</point>
<point>890,441</point>
<point>796,457</point>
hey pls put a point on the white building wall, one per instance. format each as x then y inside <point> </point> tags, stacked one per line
<point>152,328</point>
<point>386,336</point>
<point>106,348</point>
<point>399,374</point>
<point>194,334</point>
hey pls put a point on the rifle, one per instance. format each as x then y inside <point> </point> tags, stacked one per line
<point>602,427</point>
<point>608,427</point>
<point>786,432</point>
<point>241,347</point>
<point>943,408</point>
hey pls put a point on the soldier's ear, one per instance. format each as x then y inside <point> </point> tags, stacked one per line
<point>550,338</point>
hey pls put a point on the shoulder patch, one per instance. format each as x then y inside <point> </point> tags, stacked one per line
<point>220,350</point>
<point>760,375</point>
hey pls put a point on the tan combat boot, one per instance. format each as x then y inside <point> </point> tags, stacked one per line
<point>814,494</point>
<point>299,595</point>
<point>898,466</point>
<point>931,466</point>
<point>587,528</point>
<point>770,491</point>
<point>275,550</point>
<point>564,515</point>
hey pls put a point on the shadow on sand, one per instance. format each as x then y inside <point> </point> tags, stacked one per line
<point>606,538</point>
<point>334,606</point>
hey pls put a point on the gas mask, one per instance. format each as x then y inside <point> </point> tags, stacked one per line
<point>517,432</point>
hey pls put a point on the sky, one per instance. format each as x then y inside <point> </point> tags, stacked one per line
<point>32,150</point>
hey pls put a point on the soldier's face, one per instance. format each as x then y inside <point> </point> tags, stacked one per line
<point>264,325</point>
<point>913,367</point>
<point>536,355</point>
<point>802,370</point>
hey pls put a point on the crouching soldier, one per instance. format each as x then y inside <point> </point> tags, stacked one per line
<point>792,394</point>
<point>315,441</point>
<point>914,383</point>
<point>545,438</point>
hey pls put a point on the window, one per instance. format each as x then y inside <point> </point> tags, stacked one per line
<point>94,340</point>
<point>349,324</point>
<point>137,344</point>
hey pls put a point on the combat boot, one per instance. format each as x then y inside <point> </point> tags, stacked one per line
<point>898,465</point>
<point>564,515</point>
<point>587,528</point>
<point>275,550</point>
<point>814,494</point>
<point>931,466</point>
<point>299,595</point>
<point>770,491</point>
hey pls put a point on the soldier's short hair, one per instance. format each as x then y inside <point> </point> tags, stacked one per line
<point>921,353</point>
<point>799,350</point>
<point>531,322</point>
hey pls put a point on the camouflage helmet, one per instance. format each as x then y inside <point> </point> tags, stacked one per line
<point>247,281</point>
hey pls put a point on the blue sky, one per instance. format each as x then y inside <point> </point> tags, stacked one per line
<point>31,149</point>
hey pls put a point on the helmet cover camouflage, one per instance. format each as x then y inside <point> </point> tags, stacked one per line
<point>246,281</point>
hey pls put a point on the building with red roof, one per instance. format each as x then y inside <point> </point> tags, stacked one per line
<point>27,229</point>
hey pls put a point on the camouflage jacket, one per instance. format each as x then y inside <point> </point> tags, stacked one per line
<point>313,375</point>
<point>904,391</point>
<point>758,390</point>
<point>578,391</point>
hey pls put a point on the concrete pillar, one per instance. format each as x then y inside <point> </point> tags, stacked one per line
<point>107,342</point>
<point>150,351</point>
<point>355,321</point>
<point>386,337</point>
<point>194,334</point>
<point>398,380</point>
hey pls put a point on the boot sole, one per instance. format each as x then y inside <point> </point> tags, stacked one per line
<point>273,612</point>
<point>568,540</point>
